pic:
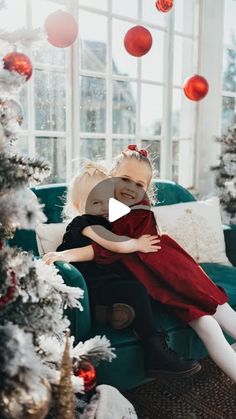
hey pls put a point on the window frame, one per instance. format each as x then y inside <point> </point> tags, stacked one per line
<point>72,133</point>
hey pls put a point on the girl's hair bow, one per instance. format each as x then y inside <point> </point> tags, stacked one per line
<point>142,151</point>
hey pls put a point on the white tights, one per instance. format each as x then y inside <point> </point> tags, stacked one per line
<point>209,329</point>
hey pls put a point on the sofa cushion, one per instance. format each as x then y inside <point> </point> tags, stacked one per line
<point>169,193</point>
<point>49,236</point>
<point>197,227</point>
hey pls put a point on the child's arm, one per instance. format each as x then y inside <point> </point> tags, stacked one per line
<point>80,254</point>
<point>121,244</point>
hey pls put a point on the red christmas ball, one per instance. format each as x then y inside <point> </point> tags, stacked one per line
<point>138,41</point>
<point>164,5</point>
<point>61,29</point>
<point>196,87</point>
<point>19,62</point>
<point>86,371</point>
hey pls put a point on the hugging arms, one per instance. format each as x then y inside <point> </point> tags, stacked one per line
<point>115,245</point>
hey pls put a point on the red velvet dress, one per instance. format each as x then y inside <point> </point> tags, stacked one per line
<point>171,276</point>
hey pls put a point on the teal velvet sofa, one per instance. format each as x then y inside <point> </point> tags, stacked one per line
<point>127,370</point>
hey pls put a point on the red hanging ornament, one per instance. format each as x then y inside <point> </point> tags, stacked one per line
<point>164,5</point>
<point>138,41</point>
<point>61,29</point>
<point>196,87</point>
<point>86,371</point>
<point>19,62</point>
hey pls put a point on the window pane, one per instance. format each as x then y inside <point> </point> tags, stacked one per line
<point>119,145</point>
<point>229,70</point>
<point>152,63</point>
<point>183,161</point>
<point>93,41</point>
<point>122,62</point>
<point>50,101</point>
<point>151,109</point>
<point>97,4</point>
<point>229,22</point>
<point>151,14</point>
<point>53,150</point>
<point>24,103</point>
<point>93,104</point>
<point>13,16</point>
<point>228,112</point>
<point>175,161</point>
<point>21,145</point>
<point>125,8</point>
<point>154,149</point>
<point>177,96</point>
<point>124,107</point>
<point>93,148</point>
<point>183,115</point>
<point>184,15</point>
<point>178,60</point>
<point>183,59</point>
<point>46,53</point>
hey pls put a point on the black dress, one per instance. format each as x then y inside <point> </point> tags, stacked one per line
<point>96,275</point>
<point>109,284</point>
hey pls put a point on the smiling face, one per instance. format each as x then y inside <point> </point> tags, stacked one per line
<point>97,202</point>
<point>132,180</point>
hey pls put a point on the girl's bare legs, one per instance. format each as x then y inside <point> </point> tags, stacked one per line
<point>226,317</point>
<point>217,346</point>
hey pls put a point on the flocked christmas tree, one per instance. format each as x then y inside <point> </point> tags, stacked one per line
<point>226,175</point>
<point>32,295</point>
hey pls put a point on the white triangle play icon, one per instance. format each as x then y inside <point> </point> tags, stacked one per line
<point>117,209</point>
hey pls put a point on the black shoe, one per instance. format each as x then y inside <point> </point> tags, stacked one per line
<point>119,315</point>
<point>160,359</point>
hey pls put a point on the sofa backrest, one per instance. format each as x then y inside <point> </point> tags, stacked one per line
<point>53,198</point>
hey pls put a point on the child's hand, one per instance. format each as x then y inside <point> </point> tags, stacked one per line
<point>148,243</point>
<point>51,257</point>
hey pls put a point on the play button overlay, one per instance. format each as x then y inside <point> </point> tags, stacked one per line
<point>110,199</point>
<point>116,210</point>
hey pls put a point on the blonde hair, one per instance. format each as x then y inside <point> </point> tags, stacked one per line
<point>80,187</point>
<point>137,155</point>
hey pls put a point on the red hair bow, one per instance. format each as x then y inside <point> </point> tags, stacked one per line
<point>142,151</point>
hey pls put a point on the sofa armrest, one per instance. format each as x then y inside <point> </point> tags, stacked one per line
<point>80,320</point>
<point>230,242</point>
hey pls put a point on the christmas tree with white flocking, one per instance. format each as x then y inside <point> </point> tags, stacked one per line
<point>226,175</point>
<point>33,295</point>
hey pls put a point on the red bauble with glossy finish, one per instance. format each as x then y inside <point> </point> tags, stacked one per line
<point>61,28</point>
<point>138,41</point>
<point>164,5</point>
<point>196,87</point>
<point>19,62</point>
<point>86,371</point>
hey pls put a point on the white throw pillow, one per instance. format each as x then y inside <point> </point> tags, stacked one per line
<point>49,236</point>
<point>197,227</point>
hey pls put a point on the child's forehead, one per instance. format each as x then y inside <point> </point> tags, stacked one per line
<point>102,189</point>
<point>134,168</point>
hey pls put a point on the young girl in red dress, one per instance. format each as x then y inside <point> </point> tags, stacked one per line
<point>171,275</point>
